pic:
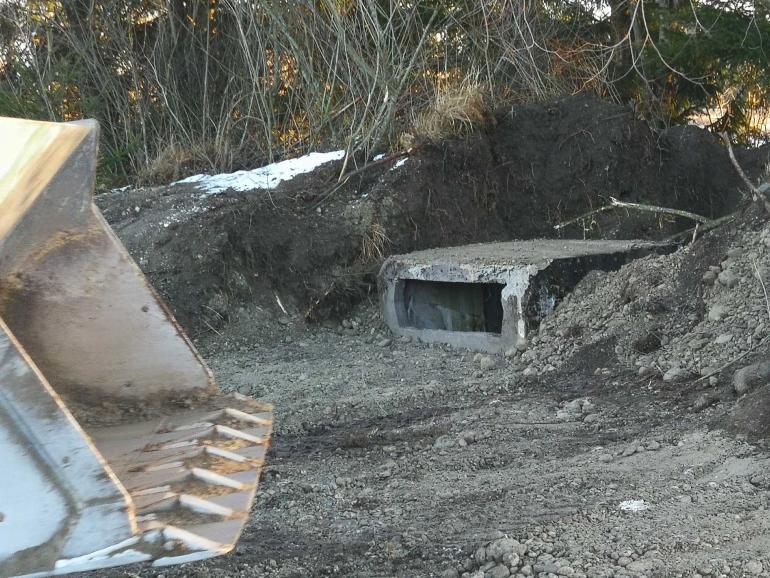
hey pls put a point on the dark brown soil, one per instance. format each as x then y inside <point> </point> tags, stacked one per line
<point>245,257</point>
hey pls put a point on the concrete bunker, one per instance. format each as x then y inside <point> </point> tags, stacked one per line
<point>489,296</point>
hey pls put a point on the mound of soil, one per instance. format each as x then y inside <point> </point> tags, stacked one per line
<point>311,248</point>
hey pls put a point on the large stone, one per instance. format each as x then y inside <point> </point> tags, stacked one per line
<point>487,362</point>
<point>728,278</point>
<point>723,339</point>
<point>675,374</point>
<point>499,571</point>
<point>500,547</point>
<point>717,313</point>
<point>546,568</point>
<point>751,376</point>
<point>644,566</point>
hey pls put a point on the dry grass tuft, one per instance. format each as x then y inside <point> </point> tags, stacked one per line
<point>175,162</point>
<point>454,111</point>
<point>374,243</point>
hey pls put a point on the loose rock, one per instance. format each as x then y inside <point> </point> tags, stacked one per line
<point>717,313</point>
<point>499,571</point>
<point>728,278</point>
<point>487,362</point>
<point>675,374</point>
<point>750,377</point>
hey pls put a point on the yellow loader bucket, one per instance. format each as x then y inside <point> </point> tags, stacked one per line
<point>116,445</point>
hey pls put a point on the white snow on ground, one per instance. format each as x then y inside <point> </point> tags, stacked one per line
<point>399,163</point>
<point>267,177</point>
<point>634,506</point>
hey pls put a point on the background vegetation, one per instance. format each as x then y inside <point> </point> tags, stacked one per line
<point>182,86</point>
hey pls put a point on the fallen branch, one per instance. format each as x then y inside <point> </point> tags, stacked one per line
<point>616,204</point>
<point>734,360</point>
<point>757,194</point>
<point>758,274</point>
<point>583,217</point>
<point>344,179</point>
<point>701,228</point>
<point>212,328</point>
<point>665,210</point>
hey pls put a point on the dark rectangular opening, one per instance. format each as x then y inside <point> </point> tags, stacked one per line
<point>450,306</point>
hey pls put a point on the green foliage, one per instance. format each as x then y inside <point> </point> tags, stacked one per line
<point>114,166</point>
<point>21,105</point>
<point>710,56</point>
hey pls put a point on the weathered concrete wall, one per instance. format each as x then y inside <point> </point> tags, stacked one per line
<point>457,295</point>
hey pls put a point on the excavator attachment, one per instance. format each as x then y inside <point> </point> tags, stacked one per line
<point>116,445</point>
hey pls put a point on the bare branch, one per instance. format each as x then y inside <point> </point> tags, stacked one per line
<point>756,193</point>
<point>616,204</point>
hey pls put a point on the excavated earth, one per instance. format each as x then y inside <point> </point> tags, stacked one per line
<point>615,444</point>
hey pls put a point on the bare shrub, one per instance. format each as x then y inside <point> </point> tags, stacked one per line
<point>175,162</point>
<point>232,84</point>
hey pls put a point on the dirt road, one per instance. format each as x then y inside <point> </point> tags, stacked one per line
<point>401,459</point>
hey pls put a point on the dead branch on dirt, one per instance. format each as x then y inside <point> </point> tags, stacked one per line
<point>212,328</point>
<point>344,179</point>
<point>337,296</point>
<point>758,275</point>
<point>616,204</point>
<point>215,312</point>
<point>583,217</point>
<point>701,228</point>
<point>734,360</point>
<point>664,210</point>
<point>756,193</point>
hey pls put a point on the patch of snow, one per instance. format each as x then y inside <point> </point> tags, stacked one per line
<point>267,177</point>
<point>399,163</point>
<point>634,506</point>
<point>378,157</point>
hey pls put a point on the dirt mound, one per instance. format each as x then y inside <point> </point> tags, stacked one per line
<point>310,248</point>
<point>680,316</point>
<point>579,152</point>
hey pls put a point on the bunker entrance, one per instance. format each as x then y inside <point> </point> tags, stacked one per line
<point>450,306</point>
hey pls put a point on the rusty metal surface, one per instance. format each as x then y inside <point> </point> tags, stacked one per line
<point>87,316</point>
<point>71,293</point>
<point>122,447</point>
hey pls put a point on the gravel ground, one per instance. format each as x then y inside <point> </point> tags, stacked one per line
<point>394,458</point>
